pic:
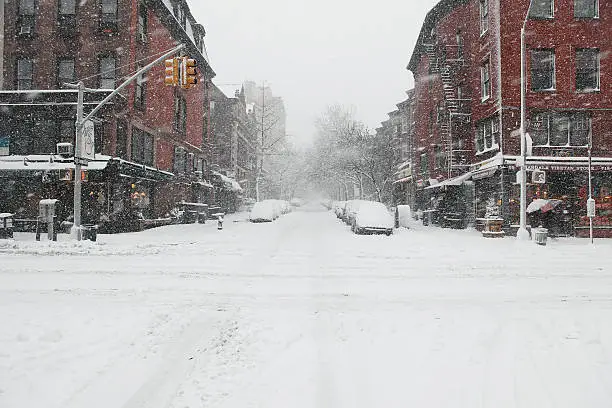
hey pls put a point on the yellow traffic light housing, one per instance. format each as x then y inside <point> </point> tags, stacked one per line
<point>190,73</point>
<point>172,72</point>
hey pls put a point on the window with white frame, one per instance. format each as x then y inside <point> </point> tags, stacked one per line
<point>108,66</point>
<point>24,73</point>
<point>487,134</point>
<point>485,80</point>
<point>541,9</point>
<point>484,16</point>
<point>26,17</point>
<point>142,22</point>
<point>65,71</point>
<point>140,91</point>
<point>560,128</point>
<point>586,8</point>
<point>109,11</point>
<point>587,69</point>
<point>543,70</point>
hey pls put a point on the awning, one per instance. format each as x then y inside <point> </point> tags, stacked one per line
<point>204,184</point>
<point>542,205</point>
<point>455,181</point>
<point>230,183</point>
<point>403,180</point>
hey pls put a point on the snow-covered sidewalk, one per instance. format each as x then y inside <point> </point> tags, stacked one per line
<point>302,313</point>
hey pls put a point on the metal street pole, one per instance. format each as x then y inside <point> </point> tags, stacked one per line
<point>80,121</point>
<point>590,185</point>
<point>76,228</point>
<point>522,233</point>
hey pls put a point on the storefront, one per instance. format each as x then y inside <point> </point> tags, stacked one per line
<point>116,194</point>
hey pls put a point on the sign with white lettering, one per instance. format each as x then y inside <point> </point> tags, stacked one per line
<point>538,177</point>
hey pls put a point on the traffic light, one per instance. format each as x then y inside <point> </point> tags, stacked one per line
<point>190,73</point>
<point>172,72</point>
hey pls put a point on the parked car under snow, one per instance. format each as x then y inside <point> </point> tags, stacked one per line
<point>372,217</point>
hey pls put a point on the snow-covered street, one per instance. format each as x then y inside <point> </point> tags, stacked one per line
<point>302,313</point>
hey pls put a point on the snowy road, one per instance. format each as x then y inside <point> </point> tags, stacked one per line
<point>301,313</point>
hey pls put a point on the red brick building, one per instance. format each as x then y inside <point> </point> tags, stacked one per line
<point>467,74</point>
<point>156,137</point>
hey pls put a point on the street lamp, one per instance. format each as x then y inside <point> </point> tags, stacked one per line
<point>522,233</point>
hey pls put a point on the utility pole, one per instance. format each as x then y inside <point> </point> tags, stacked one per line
<point>80,127</point>
<point>76,228</point>
<point>522,233</point>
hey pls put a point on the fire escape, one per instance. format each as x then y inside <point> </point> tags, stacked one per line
<point>448,61</point>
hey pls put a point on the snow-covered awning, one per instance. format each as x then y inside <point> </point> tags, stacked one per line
<point>455,181</point>
<point>232,184</point>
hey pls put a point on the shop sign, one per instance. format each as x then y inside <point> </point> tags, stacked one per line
<point>566,167</point>
<point>538,177</point>
<point>5,142</point>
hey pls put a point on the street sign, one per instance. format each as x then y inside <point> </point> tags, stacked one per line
<point>65,175</point>
<point>538,177</point>
<point>88,147</point>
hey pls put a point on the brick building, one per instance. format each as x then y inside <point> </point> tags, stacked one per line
<point>234,132</point>
<point>466,67</point>
<point>152,141</point>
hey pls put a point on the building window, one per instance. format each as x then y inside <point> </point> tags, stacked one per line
<point>67,131</point>
<point>459,45</point>
<point>487,134</point>
<point>560,129</point>
<point>424,165</point>
<point>586,8</point>
<point>180,114</point>
<point>25,20</point>
<point>180,15</point>
<point>543,70</point>
<point>142,23</point>
<point>484,16</point>
<point>142,147</point>
<point>121,148</point>
<point>65,72</point>
<point>180,160</point>
<point>108,16</point>
<point>107,72</point>
<point>67,17</point>
<point>587,69</point>
<point>139,95</point>
<point>485,80</point>
<point>541,9</point>
<point>24,73</point>
<point>440,156</point>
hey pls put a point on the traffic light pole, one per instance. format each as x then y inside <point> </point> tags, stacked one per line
<point>78,160</point>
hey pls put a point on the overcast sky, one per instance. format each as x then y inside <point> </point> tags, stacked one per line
<point>316,53</point>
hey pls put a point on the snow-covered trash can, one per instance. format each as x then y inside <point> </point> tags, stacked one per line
<point>540,236</point>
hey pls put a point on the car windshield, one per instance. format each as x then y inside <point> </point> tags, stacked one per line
<point>282,203</point>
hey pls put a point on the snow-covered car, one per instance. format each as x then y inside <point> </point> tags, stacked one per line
<point>372,217</point>
<point>296,202</point>
<point>265,211</point>
<point>350,210</point>
<point>338,208</point>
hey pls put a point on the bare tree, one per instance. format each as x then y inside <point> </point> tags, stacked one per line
<point>270,135</point>
<point>347,154</point>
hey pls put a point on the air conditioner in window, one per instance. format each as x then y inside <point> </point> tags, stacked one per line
<point>65,149</point>
<point>25,29</point>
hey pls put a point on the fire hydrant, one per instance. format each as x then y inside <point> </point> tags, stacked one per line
<point>219,221</point>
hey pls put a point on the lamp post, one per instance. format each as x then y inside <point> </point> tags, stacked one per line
<point>522,233</point>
